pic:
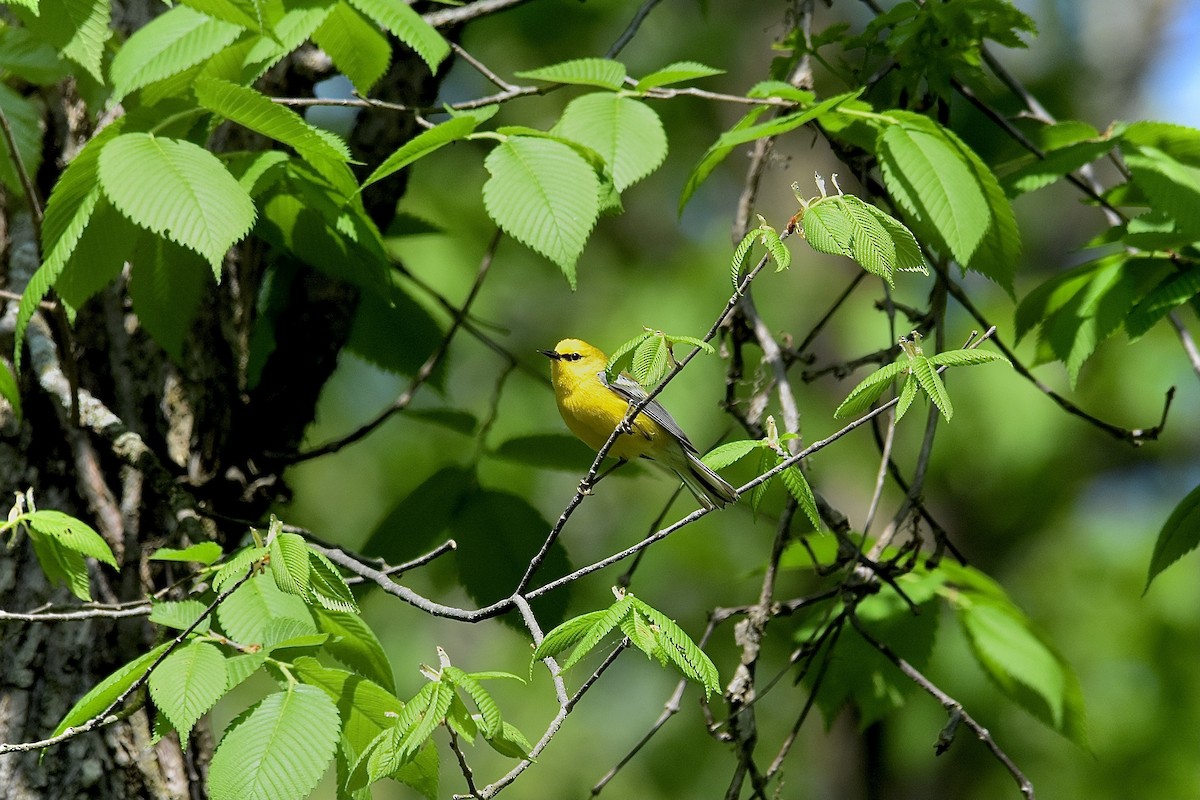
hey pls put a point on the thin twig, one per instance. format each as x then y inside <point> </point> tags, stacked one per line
<point>1185,338</point>
<point>632,28</point>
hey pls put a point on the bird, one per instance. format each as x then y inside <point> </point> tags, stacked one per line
<point>593,406</point>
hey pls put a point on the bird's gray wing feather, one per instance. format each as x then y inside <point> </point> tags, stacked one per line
<point>631,391</point>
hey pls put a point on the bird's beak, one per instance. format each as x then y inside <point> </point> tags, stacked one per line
<point>550,354</point>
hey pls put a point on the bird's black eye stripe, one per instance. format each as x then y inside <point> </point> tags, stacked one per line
<point>570,356</point>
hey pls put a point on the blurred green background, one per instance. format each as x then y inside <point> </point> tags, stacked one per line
<point>1061,515</point>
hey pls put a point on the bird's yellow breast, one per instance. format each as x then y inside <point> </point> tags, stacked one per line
<point>592,410</point>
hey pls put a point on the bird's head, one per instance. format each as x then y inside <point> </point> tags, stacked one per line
<point>576,355</point>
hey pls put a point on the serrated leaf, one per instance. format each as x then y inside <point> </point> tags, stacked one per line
<point>187,684</point>
<point>109,689</point>
<point>611,368</point>
<point>278,749</point>
<point>288,26</point>
<point>202,553</point>
<point>567,635</point>
<point>677,72</point>
<point>242,666</point>
<point>909,257</point>
<point>407,26</point>
<point>421,145</point>
<point>932,383</point>
<point>171,43</point>
<point>908,393</point>
<point>861,397</point>
<point>176,188</point>
<point>29,56</point>
<point>681,650</point>
<point>1044,171</point>
<point>99,256</point>
<point>797,486</point>
<point>257,112</point>
<point>1179,535</point>
<point>354,644</point>
<point>870,243</point>
<point>78,29</point>
<point>488,710</point>
<point>650,361</point>
<point>246,614</point>
<point>963,358</point>
<point>1172,186</point>
<point>544,195</point>
<point>640,634</point>
<point>730,452</point>
<point>738,263</point>
<point>390,315</point>
<point>601,627</point>
<point>358,49</point>
<point>179,614</point>
<point>416,521</point>
<point>289,563</point>
<point>71,533</point>
<point>767,460</point>
<point>602,72</point>
<point>1176,288</point>
<point>165,287</point>
<point>627,133</point>
<point>236,567</point>
<point>778,250</point>
<point>61,565</point>
<point>246,14</point>
<point>713,157</point>
<point>328,586</point>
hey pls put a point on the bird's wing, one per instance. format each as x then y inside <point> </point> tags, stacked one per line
<point>631,391</point>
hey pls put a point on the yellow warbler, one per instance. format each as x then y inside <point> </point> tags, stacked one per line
<point>592,407</point>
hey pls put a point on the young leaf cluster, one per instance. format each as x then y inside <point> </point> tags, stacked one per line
<point>60,543</point>
<point>770,239</point>
<point>649,356</point>
<point>920,373</point>
<point>771,453</point>
<point>647,629</point>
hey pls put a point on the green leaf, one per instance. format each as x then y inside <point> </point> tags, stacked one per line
<point>544,195</point>
<point>1041,172</point>
<point>603,625</point>
<point>106,244</point>
<point>677,72</point>
<point>713,157</point>
<point>106,691</point>
<point>681,650</point>
<point>951,196</point>
<point>556,451</point>
<point>407,26</point>
<point>289,563</point>
<point>327,586</point>
<point>728,453</point>
<point>1179,536</point>
<point>625,132</point>
<point>246,14</point>
<point>9,389</point>
<point>1176,288</point>
<point>278,749</point>
<point>511,742</point>
<point>1179,142</point>
<point>358,49</point>
<point>395,332</point>
<point>168,45</point>
<point>179,614</point>
<point>257,112</point>
<point>355,645</point>
<point>68,213</point>
<point>908,257</point>
<point>202,553</point>
<point>1172,186</point>
<point>165,286</point>
<point>72,533</point>
<point>601,72</point>
<point>187,684</point>
<point>931,382</point>
<point>243,665</point>
<point>797,486</point>
<point>651,361</point>
<point>61,565</point>
<point>567,635</point>
<point>25,121</point>
<point>963,358</point>
<point>424,143</point>
<point>176,188</point>
<point>908,393</point>
<point>1023,665</point>
<point>863,396</point>
<point>738,263</point>
<point>288,25</point>
<point>30,57</point>
<point>78,29</point>
<point>412,525</point>
<point>237,566</point>
<point>245,614</point>
<point>488,710</point>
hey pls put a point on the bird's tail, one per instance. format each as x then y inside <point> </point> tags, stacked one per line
<point>710,489</point>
